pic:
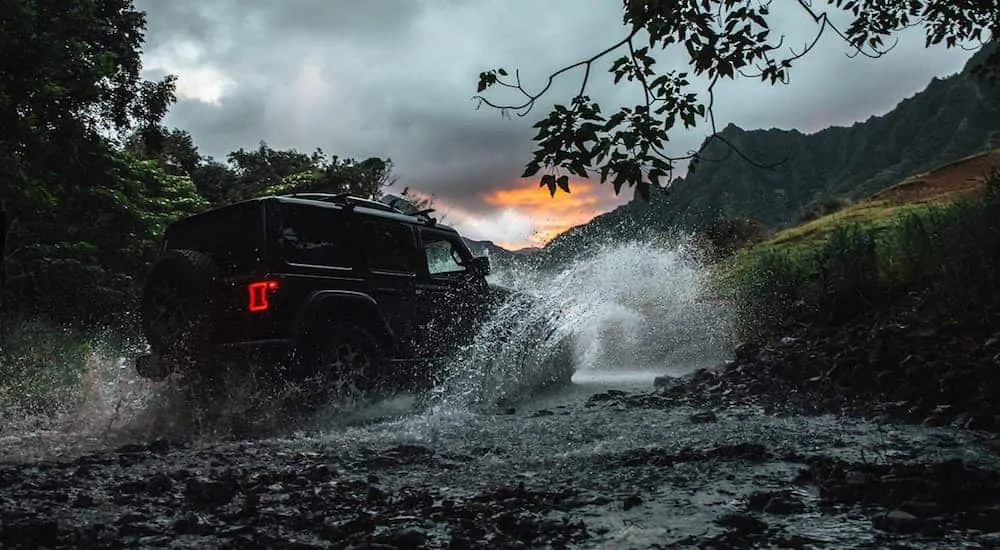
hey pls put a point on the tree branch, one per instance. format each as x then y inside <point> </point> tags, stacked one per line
<point>526,107</point>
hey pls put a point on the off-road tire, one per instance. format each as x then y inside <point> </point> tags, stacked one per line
<point>177,302</point>
<point>340,361</point>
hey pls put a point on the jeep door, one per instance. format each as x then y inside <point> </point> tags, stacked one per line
<point>448,293</point>
<point>391,260</point>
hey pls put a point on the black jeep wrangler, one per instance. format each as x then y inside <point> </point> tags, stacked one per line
<point>356,291</point>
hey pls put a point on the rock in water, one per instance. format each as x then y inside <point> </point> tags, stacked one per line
<point>703,417</point>
<point>746,352</point>
<point>663,381</point>
<point>897,521</point>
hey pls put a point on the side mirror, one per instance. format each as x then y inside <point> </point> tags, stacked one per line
<point>480,265</point>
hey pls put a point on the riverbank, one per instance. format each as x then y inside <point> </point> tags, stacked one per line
<point>887,308</point>
<point>912,363</point>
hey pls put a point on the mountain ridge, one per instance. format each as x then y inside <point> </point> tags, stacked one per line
<point>948,119</point>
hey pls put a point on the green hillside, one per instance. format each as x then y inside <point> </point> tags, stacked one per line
<point>950,119</point>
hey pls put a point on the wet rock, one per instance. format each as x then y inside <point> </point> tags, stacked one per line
<point>923,509</point>
<point>408,539</point>
<point>797,542</point>
<point>83,500</point>
<point>188,524</point>
<point>788,341</point>
<point>664,381</point>
<point>746,352</point>
<point>700,376</point>
<point>742,522</point>
<point>203,492</point>
<point>987,520</point>
<point>610,395</point>
<point>703,417</point>
<point>897,521</point>
<point>855,477</point>
<point>631,502</point>
<point>460,542</point>
<point>940,416</point>
<point>775,502</point>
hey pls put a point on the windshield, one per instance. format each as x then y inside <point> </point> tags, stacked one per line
<point>445,254</point>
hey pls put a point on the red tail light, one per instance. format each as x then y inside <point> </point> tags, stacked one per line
<point>258,295</point>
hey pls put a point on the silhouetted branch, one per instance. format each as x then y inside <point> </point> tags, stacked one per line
<point>526,107</point>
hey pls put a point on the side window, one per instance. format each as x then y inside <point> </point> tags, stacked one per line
<point>442,256</point>
<point>389,247</point>
<point>315,236</point>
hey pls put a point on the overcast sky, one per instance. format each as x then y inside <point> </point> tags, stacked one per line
<point>394,78</point>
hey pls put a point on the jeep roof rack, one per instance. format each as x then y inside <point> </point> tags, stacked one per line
<point>351,201</point>
<point>346,199</point>
<point>425,216</point>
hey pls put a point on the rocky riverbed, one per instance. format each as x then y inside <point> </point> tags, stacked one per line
<point>606,463</point>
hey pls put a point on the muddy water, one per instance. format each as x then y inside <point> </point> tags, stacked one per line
<point>631,477</point>
<point>485,460</point>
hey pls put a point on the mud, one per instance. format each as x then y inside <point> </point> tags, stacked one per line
<point>592,466</point>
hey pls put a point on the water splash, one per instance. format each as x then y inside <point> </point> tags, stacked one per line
<point>641,306</point>
<point>100,400</point>
<point>617,311</point>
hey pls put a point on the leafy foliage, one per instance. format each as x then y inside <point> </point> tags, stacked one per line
<point>73,85</point>
<point>89,178</point>
<point>80,259</point>
<point>264,170</point>
<point>721,40</point>
<point>947,251</point>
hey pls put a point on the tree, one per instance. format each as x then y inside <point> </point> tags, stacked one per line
<point>267,171</point>
<point>720,39</point>
<point>82,258</point>
<point>75,79</point>
<point>70,86</point>
<point>174,150</point>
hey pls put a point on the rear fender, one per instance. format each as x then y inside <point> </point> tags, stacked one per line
<point>344,306</point>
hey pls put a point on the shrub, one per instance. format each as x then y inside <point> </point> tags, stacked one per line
<point>951,251</point>
<point>40,368</point>
<point>822,208</point>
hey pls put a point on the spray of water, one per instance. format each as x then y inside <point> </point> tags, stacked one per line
<point>639,307</point>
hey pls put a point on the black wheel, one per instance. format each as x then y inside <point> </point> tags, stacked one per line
<point>341,361</point>
<point>177,301</point>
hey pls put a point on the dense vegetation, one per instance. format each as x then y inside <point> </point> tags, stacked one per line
<point>944,252</point>
<point>89,178</point>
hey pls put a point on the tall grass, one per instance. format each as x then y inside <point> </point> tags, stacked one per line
<point>40,367</point>
<point>951,251</point>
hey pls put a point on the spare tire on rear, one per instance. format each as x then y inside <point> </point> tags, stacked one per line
<point>177,302</point>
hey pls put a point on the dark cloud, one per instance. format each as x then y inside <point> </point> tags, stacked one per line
<point>394,78</point>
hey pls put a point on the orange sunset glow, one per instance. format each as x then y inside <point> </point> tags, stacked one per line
<point>553,214</point>
<point>524,214</point>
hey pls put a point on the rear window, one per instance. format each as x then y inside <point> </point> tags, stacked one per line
<point>315,235</point>
<point>232,235</point>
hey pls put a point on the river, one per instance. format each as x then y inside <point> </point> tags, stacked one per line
<point>488,459</point>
